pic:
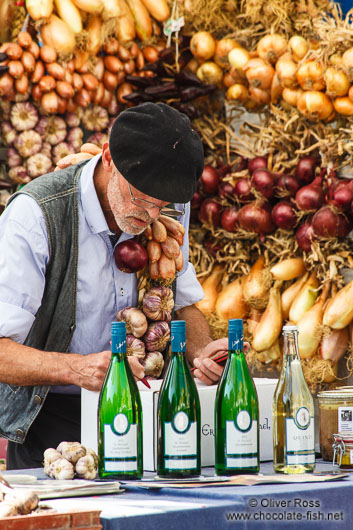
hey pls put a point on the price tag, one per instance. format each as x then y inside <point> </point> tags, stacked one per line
<point>172,25</point>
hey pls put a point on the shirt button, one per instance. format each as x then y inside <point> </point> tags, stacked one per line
<point>37,399</point>
<point>122,292</point>
<point>20,433</point>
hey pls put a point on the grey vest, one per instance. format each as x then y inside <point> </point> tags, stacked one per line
<point>57,195</point>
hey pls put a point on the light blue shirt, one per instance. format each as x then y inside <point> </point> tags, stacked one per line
<point>102,288</point>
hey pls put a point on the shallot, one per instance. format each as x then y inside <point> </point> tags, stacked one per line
<point>305,169</point>
<point>305,235</point>
<point>263,182</point>
<point>242,190</point>
<point>287,186</point>
<point>210,212</point>
<point>229,219</point>
<point>209,180</point>
<point>328,223</point>
<point>255,217</point>
<point>259,162</point>
<point>284,215</point>
<point>311,197</point>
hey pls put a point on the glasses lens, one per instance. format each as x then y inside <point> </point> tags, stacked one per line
<point>171,212</point>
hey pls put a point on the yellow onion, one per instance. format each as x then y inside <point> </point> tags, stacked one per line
<point>111,9</point>
<point>69,13</point>
<point>260,96</point>
<point>259,73</point>
<point>210,288</point>
<point>343,106</point>
<point>298,47</point>
<point>315,104</point>
<point>337,83</point>
<point>203,45</point>
<point>253,320</point>
<point>276,89</point>
<point>90,6</point>
<point>310,76</point>
<point>230,302</point>
<point>339,310</point>
<point>288,269</point>
<point>256,284</point>
<point>271,354</point>
<point>38,9</point>
<point>238,92</point>
<point>290,293</point>
<point>291,95</point>
<point>125,24</point>
<point>336,59</point>
<point>210,72</point>
<point>271,47</point>
<point>305,299</point>
<point>334,345</point>
<point>310,327</point>
<point>347,63</point>
<point>221,54</point>
<point>269,327</point>
<point>286,69</point>
<point>238,57</point>
<point>57,34</point>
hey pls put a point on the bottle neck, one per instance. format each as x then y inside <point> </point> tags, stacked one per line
<point>118,346</point>
<point>290,346</point>
<point>178,343</point>
<point>235,342</point>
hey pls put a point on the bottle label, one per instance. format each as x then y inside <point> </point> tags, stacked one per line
<point>300,447</point>
<point>120,445</point>
<point>241,441</point>
<point>180,443</point>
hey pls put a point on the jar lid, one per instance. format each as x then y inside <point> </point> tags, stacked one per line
<point>346,438</point>
<point>344,392</point>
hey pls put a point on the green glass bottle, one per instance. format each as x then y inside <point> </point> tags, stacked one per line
<point>292,413</point>
<point>119,416</point>
<point>179,425</point>
<point>236,411</point>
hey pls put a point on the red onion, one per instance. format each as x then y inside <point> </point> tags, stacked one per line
<point>327,223</point>
<point>225,189</point>
<point>284,215</point>
<point>210,212</point>
<point>255,218</point>
<point>209,180</point>
<point>305,169</point>
<point>242,190</point>
<point>212,247</point>
<point>342,195</point>
<point>130,256</point>
<point>305,235</point>
<point>311,197</point>
<point>287,186</point>
<point>229,219</point>
<point>259,162</point>
<point>196,200</point>
<point>263,182</point>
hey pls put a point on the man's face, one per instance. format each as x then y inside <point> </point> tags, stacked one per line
<point>130,218</point>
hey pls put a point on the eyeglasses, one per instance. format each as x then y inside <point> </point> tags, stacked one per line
<point>164,210</point>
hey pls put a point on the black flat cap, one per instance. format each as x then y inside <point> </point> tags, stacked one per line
<point>156,150</point>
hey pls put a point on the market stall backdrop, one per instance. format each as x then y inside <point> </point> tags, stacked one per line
<point>269,87</point>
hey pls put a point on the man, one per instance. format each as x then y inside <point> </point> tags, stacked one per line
<point>60,287</point>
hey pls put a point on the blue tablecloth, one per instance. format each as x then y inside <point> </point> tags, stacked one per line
<point>316,505</point>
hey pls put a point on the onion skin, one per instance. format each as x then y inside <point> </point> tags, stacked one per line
<point>311,197</point>
<point>305,170</point>
<point>263,182</point>
<point>229,220</point>
<point>287,186</point>
<point>255,218</point>
<point>130,256</point>
<point>305,235</point>
<point>210,212</point>
<point>242,190</point>
<point>257,163</point>
<point>225,189</point>
<point>284,215</point>
<point>327,223</point>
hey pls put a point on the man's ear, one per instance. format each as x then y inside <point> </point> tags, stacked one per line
<point>107,157</point>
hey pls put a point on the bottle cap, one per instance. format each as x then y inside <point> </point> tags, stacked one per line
<point>290,327</point>
<point>118,327</point>
<point>235,324</point>
<point>178,326</point>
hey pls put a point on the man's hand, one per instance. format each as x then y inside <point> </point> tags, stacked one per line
<point>207,370</point>
<point>89,370</point>
<point>87,151</point>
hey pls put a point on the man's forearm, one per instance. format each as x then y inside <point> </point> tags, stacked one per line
<point>198,333</point>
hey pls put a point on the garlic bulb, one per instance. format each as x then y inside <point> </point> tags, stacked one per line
<point>72,451</point>
<point>90,451</point>
<point>24,116</point>
<point>8,133</point>
<point>153,364</point>
<point>95,118</point>
<point>50,455</point>
<point>28,143</point>
<point>135,346</point>
<point>61,150</point>
<point>38,164</point>
<point>135,320</point>
<point>61,469</point>
<point>86,468</point>
<point>157,336</point>
<point>158,303</point>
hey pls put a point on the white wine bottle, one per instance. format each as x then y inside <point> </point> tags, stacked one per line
<point>293,413</point>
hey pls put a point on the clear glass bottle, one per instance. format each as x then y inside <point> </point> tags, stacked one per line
<point>119,416</point>
<point>236,411</point>
<point>293,413</point>
<point>179,423</point>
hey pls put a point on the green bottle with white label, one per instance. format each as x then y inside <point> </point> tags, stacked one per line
<point>292,413</point>
<point>179,422</point>
<point>236,411</point>
<point>119,416</point>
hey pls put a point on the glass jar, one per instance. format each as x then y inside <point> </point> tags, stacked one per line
<point>343,451</point>
<point>335,416</point>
